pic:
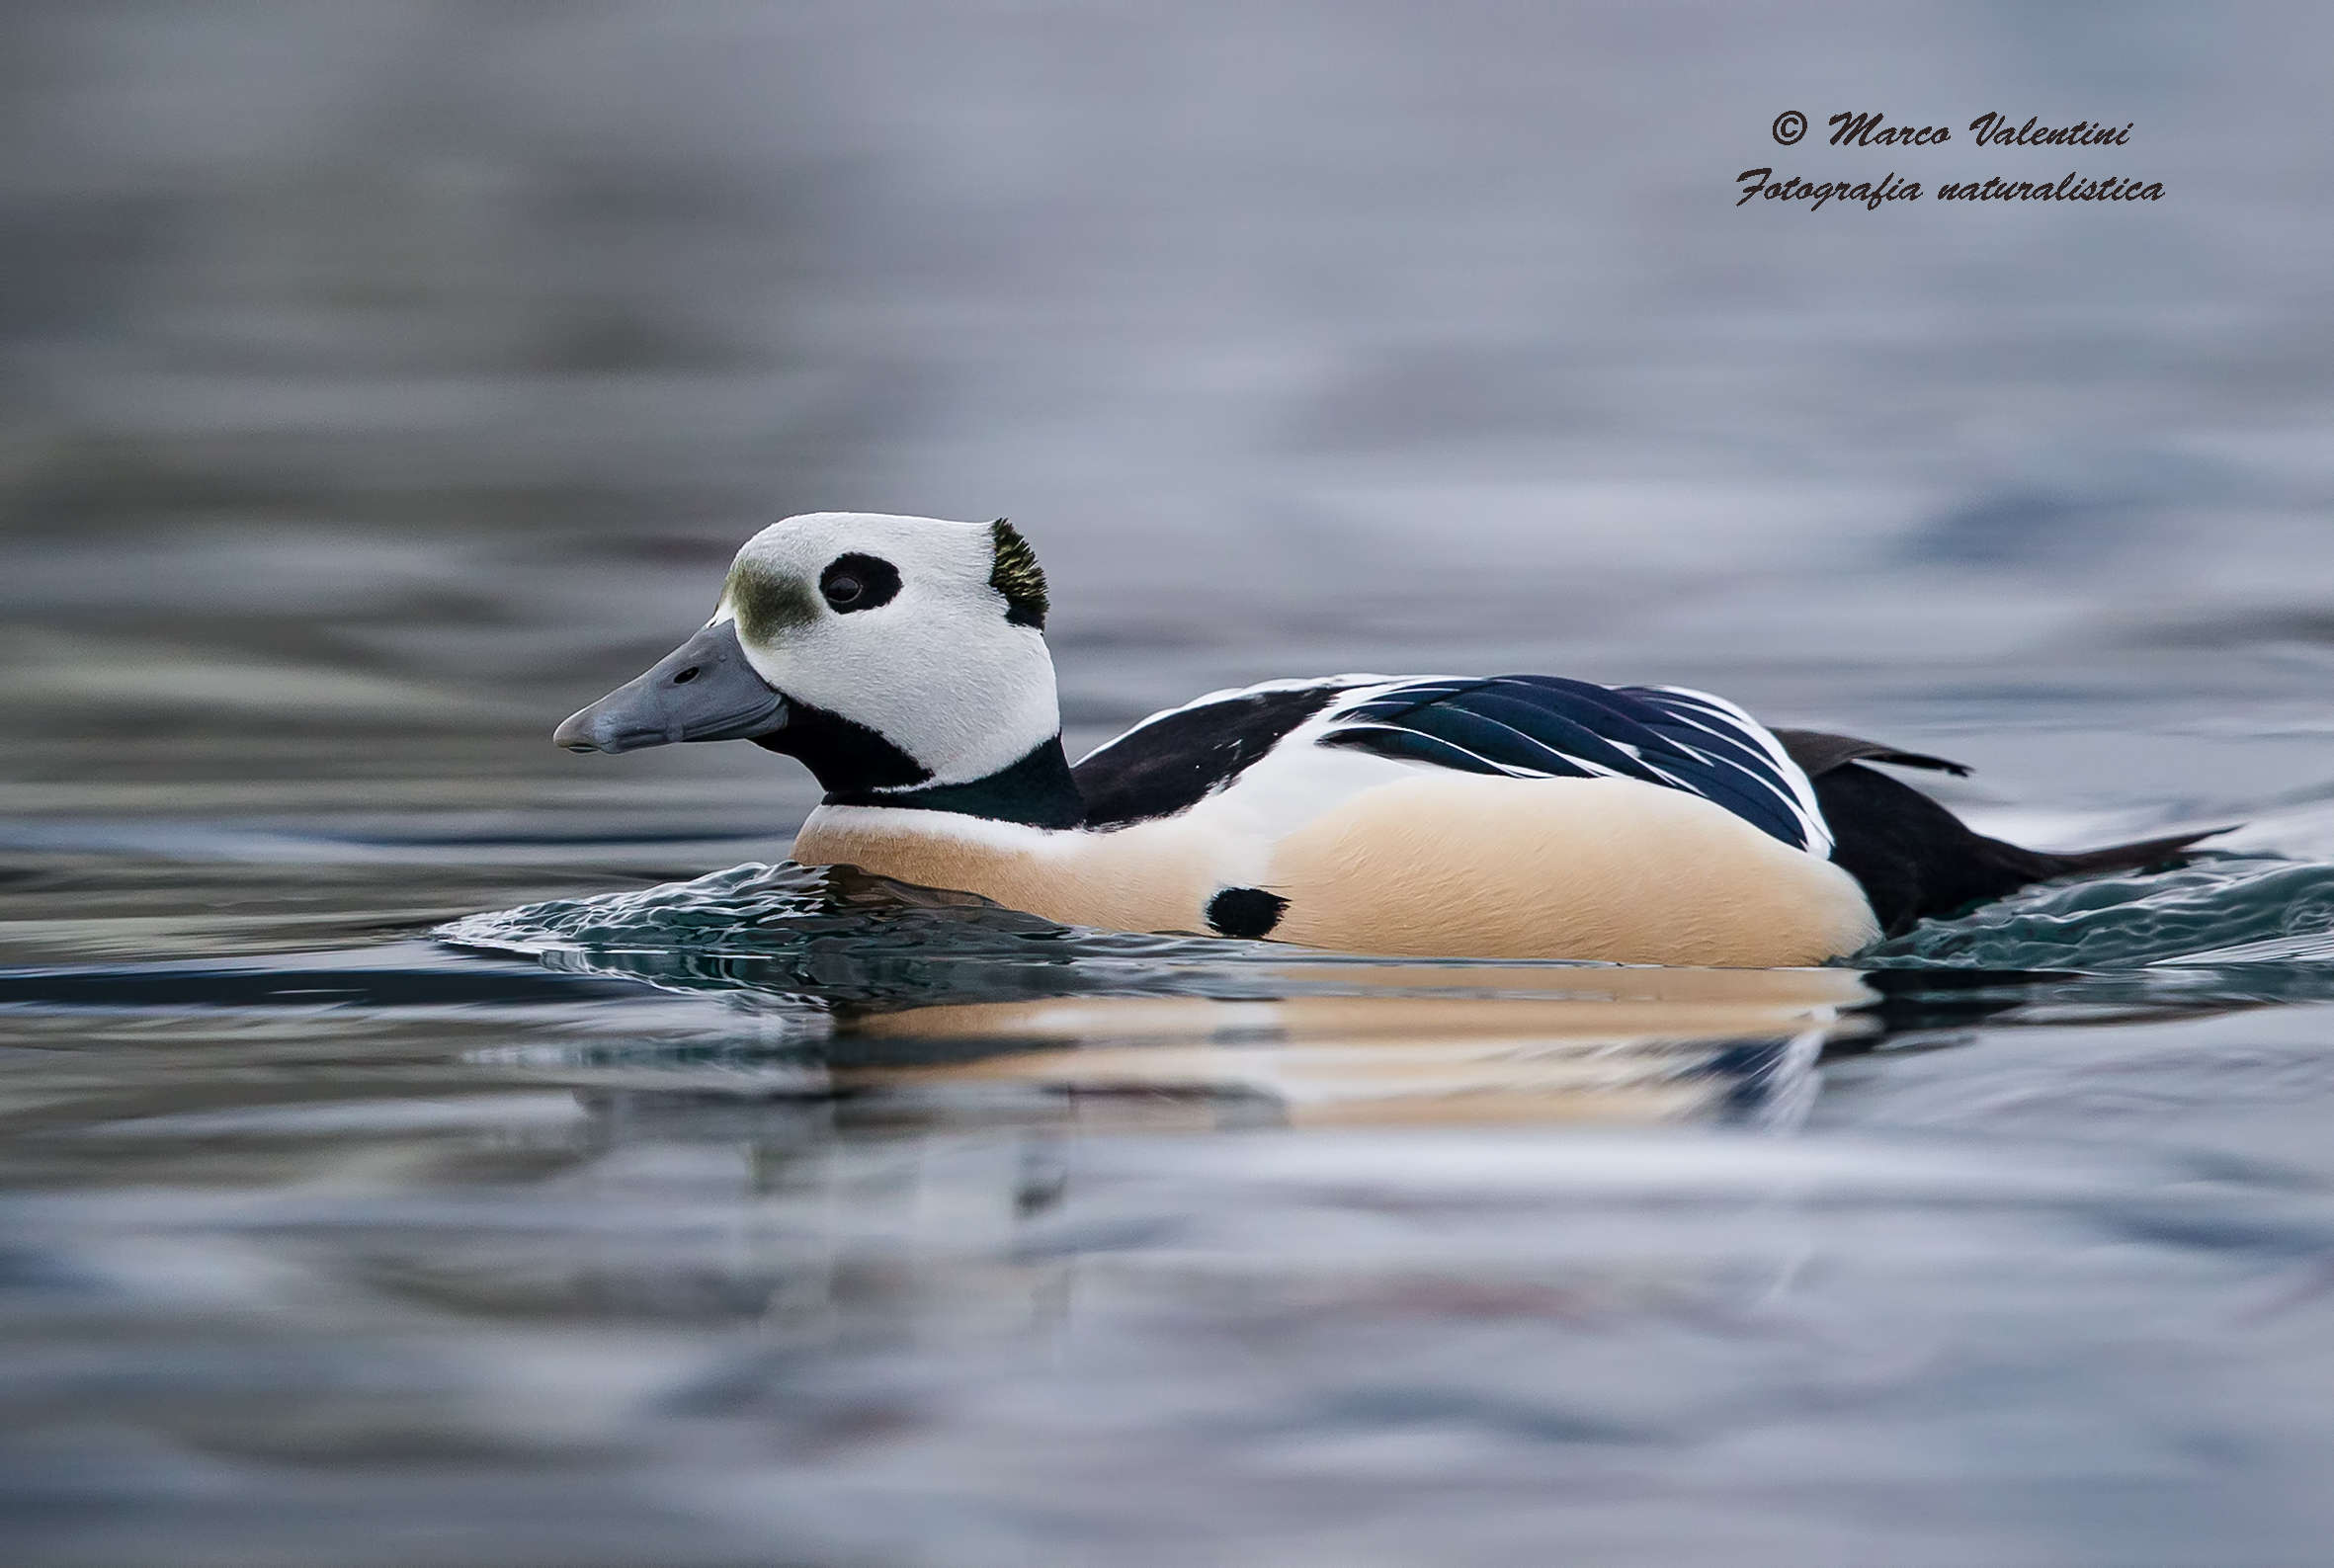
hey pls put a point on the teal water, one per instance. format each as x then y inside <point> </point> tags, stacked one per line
<point>2234,923</point>
<point>2224,910</point>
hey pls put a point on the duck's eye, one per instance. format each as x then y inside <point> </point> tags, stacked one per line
<point>858,582</point>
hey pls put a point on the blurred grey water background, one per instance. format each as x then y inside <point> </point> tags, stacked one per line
<point>379,383</point>
<point>403,372</point>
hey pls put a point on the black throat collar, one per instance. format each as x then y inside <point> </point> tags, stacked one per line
<point>859,767</point>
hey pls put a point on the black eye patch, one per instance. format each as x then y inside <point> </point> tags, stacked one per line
<point>858,582</point>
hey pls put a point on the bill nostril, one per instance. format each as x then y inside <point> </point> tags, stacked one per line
<point>686,676</point>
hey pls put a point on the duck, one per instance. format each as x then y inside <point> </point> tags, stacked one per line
<point>902,660</point>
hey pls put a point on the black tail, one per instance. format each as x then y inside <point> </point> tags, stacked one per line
<point>1916,860</point>
<point>2143,854</point>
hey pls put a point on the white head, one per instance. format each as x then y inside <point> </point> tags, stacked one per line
<point>886,652</point>
<point>924,630</point>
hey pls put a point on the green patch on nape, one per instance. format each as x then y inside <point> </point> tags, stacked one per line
<point>767,600</point>
<point>1016,574</point>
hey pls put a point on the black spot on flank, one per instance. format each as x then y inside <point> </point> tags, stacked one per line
<point>1248,913</point>
<point>1013,572</point>
<point>856,582</point>
<point>1172,764</point>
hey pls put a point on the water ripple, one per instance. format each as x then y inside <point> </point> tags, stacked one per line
<point>2222,910</point>
<point>850,936</point>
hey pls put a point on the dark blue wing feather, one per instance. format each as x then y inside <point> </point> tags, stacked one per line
<point>1390,741</point>
<point>1715,732</point>
<point>1544,726</point>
